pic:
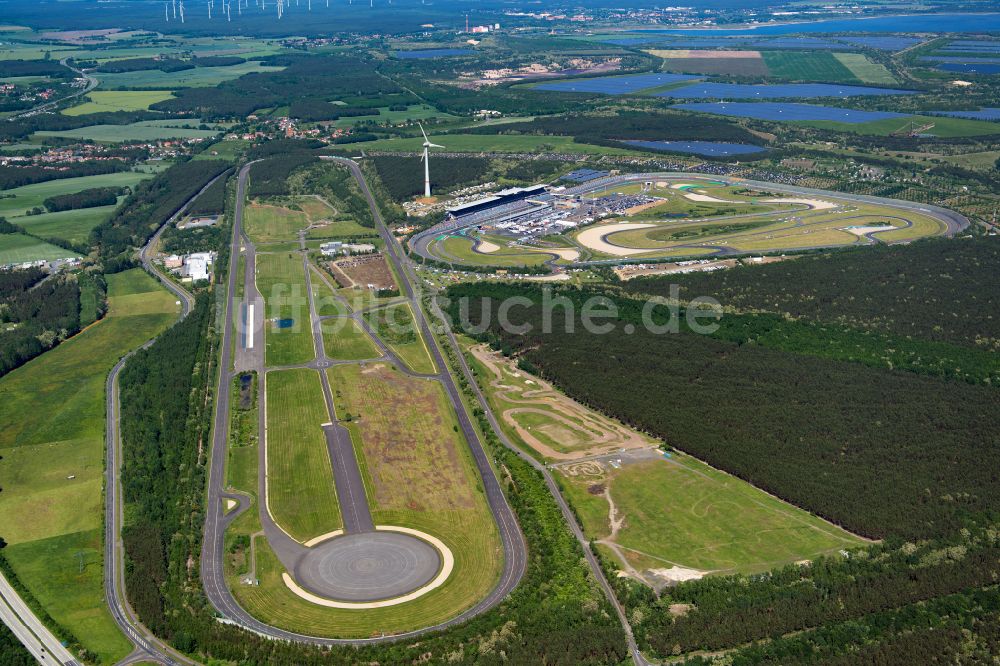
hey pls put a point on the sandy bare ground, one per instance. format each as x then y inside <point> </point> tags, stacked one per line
<point>556,277</point>
<point>568,254</point>
<point>594,238</point>
<point>486,246</point>
<point>694,196</point>
<point>861,231</point>
<point>586,432</point>
<point>815,204</point>
<point>689,53</point>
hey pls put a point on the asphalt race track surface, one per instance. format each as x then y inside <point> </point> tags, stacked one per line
<point>370,566</point>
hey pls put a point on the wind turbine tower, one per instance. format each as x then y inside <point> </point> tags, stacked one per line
<point>425,158</point>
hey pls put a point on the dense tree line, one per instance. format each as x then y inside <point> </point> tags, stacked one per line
<point>151,204</point>
<point>305,77</point>
<point>880,452</point>
<point>403,177</point>
<point>213,200</point>
<point>142,64</point>
<point>652,126</point>
<point>165,64</point>
<point>938,290</point>
<point>313,110</point>
<point>337,186</point>
<point>824,592</point>
<point>19,128</point>
<point>885,453</point>
<point>37,318</point>
<point>12,653</point>
<point>958,628</point>
<point>95,196</point>
<point>198,239</point>
<point>17,176</point>
<point>270,177</point>
<point>12,68</point>
<point>16,281</point>
<point>556,616</point>
<point>163,385</point>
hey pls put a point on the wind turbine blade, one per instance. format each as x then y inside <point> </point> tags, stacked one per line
<point>423,132</point>
<point>434,145</point>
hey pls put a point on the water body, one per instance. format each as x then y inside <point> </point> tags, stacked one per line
<point>777,91</point>
<point>431,53</point>
<point>788,112</point>
<point>971,60</point>
<point>616,85</point>
<point>706,148</point>
<point>969,68</point>
<point>985,22</point>
<point>981,114</point>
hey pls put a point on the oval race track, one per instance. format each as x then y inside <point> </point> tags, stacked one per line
<point>370,566</point>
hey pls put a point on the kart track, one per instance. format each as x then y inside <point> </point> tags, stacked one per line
<point>685,215</point>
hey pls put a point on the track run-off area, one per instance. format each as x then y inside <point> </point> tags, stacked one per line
<point>682,215</point>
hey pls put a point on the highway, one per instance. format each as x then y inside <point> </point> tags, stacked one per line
<point>91,84</point>
<point>39,641</point>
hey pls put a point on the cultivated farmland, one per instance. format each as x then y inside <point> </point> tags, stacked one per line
<point>52,447</point>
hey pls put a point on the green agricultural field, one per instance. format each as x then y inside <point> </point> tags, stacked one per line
<point>140,131</point>
<point>225,150</point>
<point>808,66</point>
<point>501,143</point>
<point>266,223</point>
<point>52,464</point>
<point>100,101</point>
<point>674,511</point>
<point>282,283</point>
<point>681,512</point>
<point>71,225</point>
<point>18,248</point>
<point>300,491</point>
<point>344,340</point>
<point>324,299</point>
<point>413,112</point>
<point>20,200</point>
<point>395,326</point>
<point>865,70</point>
<point>199,77</point>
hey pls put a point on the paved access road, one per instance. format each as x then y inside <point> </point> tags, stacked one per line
<point>147,646</point>
<point>90,85</point>
<point>216,522</point>
<point>953,221</point>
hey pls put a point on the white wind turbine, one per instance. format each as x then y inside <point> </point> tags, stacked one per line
<point>425,158</point>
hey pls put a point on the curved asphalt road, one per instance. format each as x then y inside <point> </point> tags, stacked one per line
<point>216,521</point>
<point>954,221</point>
<point>148,646</point>
<point>91,84</point>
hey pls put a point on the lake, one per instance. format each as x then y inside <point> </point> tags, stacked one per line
<point>981,114</point>
<point>616,85</point>
<point>777,91</point>
<point>788,112</point>
<point>985,22</point>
